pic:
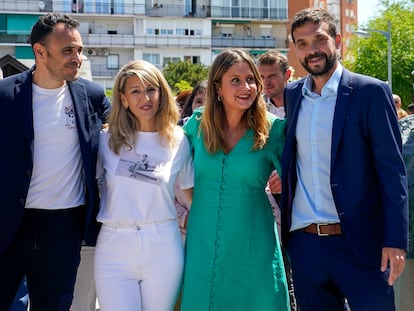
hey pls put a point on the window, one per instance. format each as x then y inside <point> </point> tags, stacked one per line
<point>152,31</point>
<point>152,58</point>
<point>174,60</point>
<point>112,61</point>
<point>192,59</point>
<point>180,31</point>
<point>166,32</point>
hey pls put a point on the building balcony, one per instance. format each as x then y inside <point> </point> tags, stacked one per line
<point>139,8</point>
<point>105,40</point>
<point>78,7</point>
<point>249,12</point>
<point>248,42</point>
<point>102,71</point>
<point>174,41</point>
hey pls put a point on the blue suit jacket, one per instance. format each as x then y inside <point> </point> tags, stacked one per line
<point>368,177</point>
<point>16,159</point>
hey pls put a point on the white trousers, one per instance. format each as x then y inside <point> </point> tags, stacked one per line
<point>139,269</point>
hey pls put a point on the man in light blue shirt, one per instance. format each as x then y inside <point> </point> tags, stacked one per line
<point>344,203</point>
<point>313,198</point>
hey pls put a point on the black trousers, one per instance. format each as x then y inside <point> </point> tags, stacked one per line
<point>46,250</point>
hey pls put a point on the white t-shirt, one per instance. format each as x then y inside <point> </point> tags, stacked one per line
<point>57,177</point>
<point>138,186</point>
<point>279,112</point>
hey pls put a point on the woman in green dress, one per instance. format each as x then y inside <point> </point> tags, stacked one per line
<point>233,257</point>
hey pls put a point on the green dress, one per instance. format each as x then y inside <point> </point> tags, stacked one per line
<point>233,257</point>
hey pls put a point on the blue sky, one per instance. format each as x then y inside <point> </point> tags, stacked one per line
<point>366,10</point>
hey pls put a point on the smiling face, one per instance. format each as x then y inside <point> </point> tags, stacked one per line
<point>59,58</point>
<point>238,87</point>
<point>316,49</point>
<point>143,100</point>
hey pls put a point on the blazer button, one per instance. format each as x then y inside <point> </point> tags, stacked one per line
<point>22,201</point>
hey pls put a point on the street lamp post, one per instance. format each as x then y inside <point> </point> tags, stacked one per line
<point>387,34</point>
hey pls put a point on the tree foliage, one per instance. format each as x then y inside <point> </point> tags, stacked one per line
<point>183,74</point>
<point>368,55</point>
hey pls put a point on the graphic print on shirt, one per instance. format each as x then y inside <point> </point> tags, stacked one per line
<point>70,117</point>
<point>140,166</point>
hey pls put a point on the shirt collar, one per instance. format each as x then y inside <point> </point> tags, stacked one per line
<point>331,85</point>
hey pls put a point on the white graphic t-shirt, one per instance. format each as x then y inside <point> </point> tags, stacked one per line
<point>57,178</point>
<point>138,184</point>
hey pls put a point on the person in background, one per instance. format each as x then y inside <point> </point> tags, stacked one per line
<point>410,108</point>
<point>404,286</point>
<point>401,113</point>
<point>181,99</point>
<point>344,200</point>
<point>51,123</point>
<point>196,99</point>
<point>233,256</point>
<point>275,72</point>
<point>139,256</point>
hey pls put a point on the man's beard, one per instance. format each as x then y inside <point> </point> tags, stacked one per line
<point>329,64</point>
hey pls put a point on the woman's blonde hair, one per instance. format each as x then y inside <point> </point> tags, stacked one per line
<point>214,122</point>
<point>122,122</point>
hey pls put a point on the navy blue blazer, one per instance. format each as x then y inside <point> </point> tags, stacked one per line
<point>16,159</point>
<point>368,176</point>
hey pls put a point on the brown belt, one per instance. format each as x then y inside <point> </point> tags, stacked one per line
<point>323,229</point>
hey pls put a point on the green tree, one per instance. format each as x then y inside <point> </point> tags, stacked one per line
<point>368,55</point>
<point>183,74</point>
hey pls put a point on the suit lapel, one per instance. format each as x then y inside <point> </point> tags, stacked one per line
<point>80,100</point>
<point>23,97</point>
<point>293,116</point>
<point>289,155</point>
<point>341,112</point>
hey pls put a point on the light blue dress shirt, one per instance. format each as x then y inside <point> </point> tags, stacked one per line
<point>313,201</point>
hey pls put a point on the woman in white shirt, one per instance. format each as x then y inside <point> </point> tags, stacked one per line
<point>139,254</point>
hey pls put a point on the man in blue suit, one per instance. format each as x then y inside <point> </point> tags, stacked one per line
<point>344,202</point>
<point>50,124</point>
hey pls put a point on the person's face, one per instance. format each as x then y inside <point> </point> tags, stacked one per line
<point>238,87</point>
<point>316,49</point>
<point>198,101</point>
<point>274,79</point>
<point>142,99</point>
<point>61,55</point>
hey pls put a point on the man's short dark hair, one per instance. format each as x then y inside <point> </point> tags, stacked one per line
<point>45,24</point>
<point>314,16</point>
<point>410,108</point>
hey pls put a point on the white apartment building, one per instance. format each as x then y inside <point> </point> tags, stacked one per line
<point>115,32</point>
